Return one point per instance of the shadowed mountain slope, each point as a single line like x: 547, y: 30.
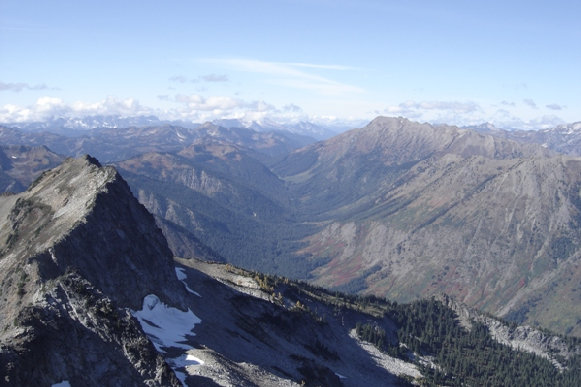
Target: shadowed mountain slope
x: 221, y: 195
x: 20, y: 165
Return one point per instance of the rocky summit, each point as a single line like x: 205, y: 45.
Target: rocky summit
x: 75, y: 247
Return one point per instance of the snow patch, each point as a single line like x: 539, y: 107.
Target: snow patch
x: 64, y: 383
x: 183, y: 361
x: 340, y: 376
x: 393, y: 365
x: 169, y: 327
x: 165, y: 326
x: 181, y: 274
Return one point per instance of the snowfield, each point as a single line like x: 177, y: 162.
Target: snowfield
x: 168, y: 327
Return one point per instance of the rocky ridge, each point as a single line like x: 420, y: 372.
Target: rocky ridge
x: 91, y: 296
x: 77, y: 250
x: 409, y: 210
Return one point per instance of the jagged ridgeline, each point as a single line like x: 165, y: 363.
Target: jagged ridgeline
x: 396, y: 208
x: 77, y: 250
x: 92, y: 296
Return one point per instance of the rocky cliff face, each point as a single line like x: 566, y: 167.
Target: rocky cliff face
x: 77, y: 250
x: 411, y: 210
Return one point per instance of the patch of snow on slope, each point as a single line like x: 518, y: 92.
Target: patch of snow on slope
x: 181, y: 274
x: 181, y: 362
x: 168, y: 327
x: 64, y: 383
x: 393, y: 365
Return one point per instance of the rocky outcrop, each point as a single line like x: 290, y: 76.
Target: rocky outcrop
x: 520, y: 337
x: 77, y: 252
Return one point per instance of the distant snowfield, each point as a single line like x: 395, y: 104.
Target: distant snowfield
x: 168, y: 327
x: 64, y: 383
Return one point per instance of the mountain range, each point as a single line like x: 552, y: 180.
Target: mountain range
x: 72, y: 125
x: 396, y: 208
x: 409, y: 210
x: 92, y: 296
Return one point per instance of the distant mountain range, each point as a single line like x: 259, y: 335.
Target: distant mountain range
x: 395, y: 208
x: 114, y: 144
x: 72, y: 126
x: 564, y: 139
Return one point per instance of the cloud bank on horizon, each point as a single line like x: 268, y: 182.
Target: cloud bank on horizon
x: 514, y: 64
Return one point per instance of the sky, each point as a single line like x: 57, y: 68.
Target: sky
x: 514, y: 64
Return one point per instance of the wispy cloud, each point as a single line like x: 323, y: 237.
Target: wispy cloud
x: 505, y: 119
x: 419, y: 106
x: 201, y: 78
x: 215, y: 78
x: 450, y: 112
x: 466, y: 113
x: 293, y: 75
x: 530, y: 103
x: 320, y: 66
x: 554, y: 106
x: 20, y: 86
x: 178, y: 79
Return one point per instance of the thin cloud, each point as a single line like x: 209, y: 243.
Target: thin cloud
x: 201, y: 78
x: 178, y: 79
x: 452, y: 106
x: 450, y: 112
x: 292, y: 75
x: 555, y: 106
x: 529, y: 102
x: 321, y: 66
x: 292, y: 108
x: 20, y: 86
x: 215, y: 78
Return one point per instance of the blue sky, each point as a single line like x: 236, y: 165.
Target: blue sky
x: 511, y: 63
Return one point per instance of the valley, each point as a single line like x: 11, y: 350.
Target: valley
x: 397, y: 209
x: 92, y: 293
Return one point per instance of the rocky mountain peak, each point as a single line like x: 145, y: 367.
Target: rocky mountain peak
x: 76, y: 252
x: 64, y: 222
x: 396, y: 140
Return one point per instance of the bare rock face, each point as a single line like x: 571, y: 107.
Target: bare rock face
x: 78, y: 250
x: 410, y: 210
